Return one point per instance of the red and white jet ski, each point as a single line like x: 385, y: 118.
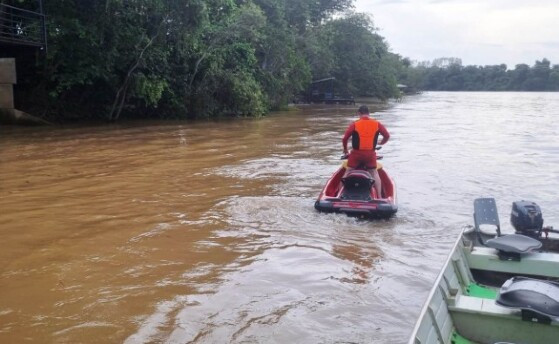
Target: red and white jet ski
x: 356, y: 194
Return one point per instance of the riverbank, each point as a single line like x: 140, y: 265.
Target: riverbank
x: 16, y: 117
x: 19, y: 118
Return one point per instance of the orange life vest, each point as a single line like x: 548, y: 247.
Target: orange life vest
x: 365, y: 135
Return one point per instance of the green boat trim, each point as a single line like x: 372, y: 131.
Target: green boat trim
x: 458, y: 339
x: 478, y: 290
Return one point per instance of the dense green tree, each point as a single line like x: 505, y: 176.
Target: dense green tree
x: 538, y: 76
x: 350, y: 49
x: 554, y: 79
x: 282, y: 70
x: 518, y: 77
x: 201, y: 58
x: 302, y: 14
x: 448, y: 74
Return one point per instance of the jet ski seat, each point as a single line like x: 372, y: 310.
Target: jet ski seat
x: 357, y: 174
x: 510, y: 246
x: 538, y: 299
x: 357, y: 186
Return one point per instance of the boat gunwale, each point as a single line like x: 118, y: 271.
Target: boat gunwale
x: 425, y: 308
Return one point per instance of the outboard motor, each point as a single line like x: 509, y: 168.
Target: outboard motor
x: 526, y: 218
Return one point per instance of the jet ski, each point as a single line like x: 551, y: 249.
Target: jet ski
x: 356, y: 194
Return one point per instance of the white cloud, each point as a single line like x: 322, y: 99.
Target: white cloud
x: 479, y: 32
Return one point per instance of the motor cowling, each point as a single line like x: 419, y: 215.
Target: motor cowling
x: 526, y: 218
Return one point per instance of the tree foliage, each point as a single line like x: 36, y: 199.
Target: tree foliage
x: 201, y: 58
x: 350, y: 49
x: 450, y: 75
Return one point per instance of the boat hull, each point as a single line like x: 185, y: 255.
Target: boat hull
x: 462, y: 308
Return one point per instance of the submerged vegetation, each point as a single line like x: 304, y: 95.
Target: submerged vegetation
x: 448, y: 74
x: 200, y: 58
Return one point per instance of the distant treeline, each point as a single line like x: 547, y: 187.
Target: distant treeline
x: 199, y: 58
x: 448, y: 74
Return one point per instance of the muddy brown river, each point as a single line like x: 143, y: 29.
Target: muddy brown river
x: 205, y: 232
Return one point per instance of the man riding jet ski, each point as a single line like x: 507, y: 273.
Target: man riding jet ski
x: 364, y: 136
x: 361, y: 186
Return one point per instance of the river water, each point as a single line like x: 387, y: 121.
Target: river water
x: 206, y: 233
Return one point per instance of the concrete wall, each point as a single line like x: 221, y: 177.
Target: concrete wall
x: 9, y: 115
x: 6, y: 96
x: 8, y: 71
x: 7, y: 81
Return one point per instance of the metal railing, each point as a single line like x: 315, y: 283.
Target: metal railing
x: 20, y: 26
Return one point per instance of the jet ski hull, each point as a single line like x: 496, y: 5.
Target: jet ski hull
x: 364, y: 202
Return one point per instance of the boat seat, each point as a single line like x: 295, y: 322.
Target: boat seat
x: 357, y: 186
x: 485, y: 213
x: 528, y: 294
x: 509, y: 246
x: 514, y: 243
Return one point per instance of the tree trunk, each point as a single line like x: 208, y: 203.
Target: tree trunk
x: 196, y: 66
x: 120, y: 96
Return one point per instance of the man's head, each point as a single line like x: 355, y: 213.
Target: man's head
x: 363, y: 110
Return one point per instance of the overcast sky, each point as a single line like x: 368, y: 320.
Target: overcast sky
x: 480, y: 32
